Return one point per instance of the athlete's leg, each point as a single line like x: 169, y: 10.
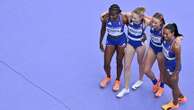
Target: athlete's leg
x: 119, y: 60
x: 128, y: 57
x: 108, y: 53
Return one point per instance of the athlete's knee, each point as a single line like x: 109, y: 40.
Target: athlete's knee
x: 140, y: 61
x: 173, y: 79
x: 127, y: 66
x: 119, y: 58
x: 172, y: 83
x: 146, y: 69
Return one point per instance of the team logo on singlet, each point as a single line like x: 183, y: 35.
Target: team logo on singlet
x: 136, y: 32
x: 156, y: 39
x: 109, y: 23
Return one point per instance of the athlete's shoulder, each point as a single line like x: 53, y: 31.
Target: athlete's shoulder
x: 178, y: 40
x: 104, y: 16
x: 177, y: 43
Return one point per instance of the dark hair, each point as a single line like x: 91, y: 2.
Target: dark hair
x: 115, y: 7
x: 160, y: 17
x: 173, y: 28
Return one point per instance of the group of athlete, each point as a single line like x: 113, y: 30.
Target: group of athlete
x: 164, y: 46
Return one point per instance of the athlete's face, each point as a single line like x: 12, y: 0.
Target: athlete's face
x: 168, y: 35
x: 114, y: 14
x: 136, y: 18
x: 156, y: 23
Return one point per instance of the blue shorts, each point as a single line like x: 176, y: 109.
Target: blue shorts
x: 170, y: 66
x: 120, y: 40
x: 155, y: 48
x: 135, y: 44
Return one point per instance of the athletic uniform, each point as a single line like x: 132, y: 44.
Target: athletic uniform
x: 135, y: 34
x: 170, y: 58
x: 156, y: 40
x: 170, y: 64
x: 116, y: 34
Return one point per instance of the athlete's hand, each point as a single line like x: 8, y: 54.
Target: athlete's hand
x: 144, y: 37
x: 101, y: 47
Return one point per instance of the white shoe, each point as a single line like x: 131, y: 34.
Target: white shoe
x: 137, y: 84
x: 122, y: 93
